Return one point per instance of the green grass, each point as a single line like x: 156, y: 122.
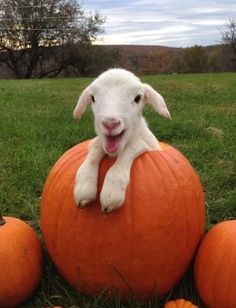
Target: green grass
x: 36, y: 127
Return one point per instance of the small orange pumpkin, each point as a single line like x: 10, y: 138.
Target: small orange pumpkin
x: 20, y: 261
x: 54, y: 307
x: 144, y: 247
x: 180, y: 303
x: 215, y: 266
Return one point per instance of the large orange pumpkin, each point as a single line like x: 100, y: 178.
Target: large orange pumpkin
x: 141, y: 249
x: 20, y: 261
x: 215, y: 266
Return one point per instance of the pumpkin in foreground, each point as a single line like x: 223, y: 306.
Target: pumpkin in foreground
x: 215, y: 266
x: 20, y: 261
x: 141, y: 249
x: 179, y: 303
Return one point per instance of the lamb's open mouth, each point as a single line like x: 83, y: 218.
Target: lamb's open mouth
x: 113, y: 142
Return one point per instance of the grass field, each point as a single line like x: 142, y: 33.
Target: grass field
x: 36, y: 127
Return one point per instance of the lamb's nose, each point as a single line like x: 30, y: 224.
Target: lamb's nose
x: 110, y: 123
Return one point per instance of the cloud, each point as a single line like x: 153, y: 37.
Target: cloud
x: 211, y: 22
x: 163, y: 22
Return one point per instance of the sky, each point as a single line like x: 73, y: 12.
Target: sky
x: 181, y: 23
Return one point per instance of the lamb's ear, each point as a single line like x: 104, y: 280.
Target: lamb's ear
x: 156, y: 100
x: 83, y: 102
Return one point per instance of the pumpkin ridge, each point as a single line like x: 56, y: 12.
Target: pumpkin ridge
x: 180, y: 181
x: 60, y: 217
x: 140, y: 164
x: 128, y: 200
x: 180, y: 192
x: 193, y: 180
x: 217, y: 285
x: 159, y: 167
x: 155, y: 157
x: 213, y: 291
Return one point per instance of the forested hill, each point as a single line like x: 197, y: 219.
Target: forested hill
x: 142, y: 60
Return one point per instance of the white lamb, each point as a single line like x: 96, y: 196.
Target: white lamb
x: 117, y: 98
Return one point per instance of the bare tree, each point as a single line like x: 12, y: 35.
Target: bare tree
x: 35, y: 31
x: 229, y: 34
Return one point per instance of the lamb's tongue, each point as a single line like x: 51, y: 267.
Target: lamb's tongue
x: 112, y: 143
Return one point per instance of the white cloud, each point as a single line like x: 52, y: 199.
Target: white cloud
x: 163, y: 22
x: 210, y: 22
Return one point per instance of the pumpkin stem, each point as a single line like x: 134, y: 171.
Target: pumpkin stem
x: 2, y: 221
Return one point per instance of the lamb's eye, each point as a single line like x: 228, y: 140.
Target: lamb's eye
x: 137, y: 99
x: 93, y: 99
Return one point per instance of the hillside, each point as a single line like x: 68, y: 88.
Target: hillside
x: 161, y: 59
x: 145, y: 60
x: 140, y: 50
x: 132, y: 56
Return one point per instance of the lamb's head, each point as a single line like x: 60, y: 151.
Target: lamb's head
x: 117, y: 98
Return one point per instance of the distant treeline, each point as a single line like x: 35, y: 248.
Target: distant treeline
x: 146, y: 60
x: 142, y: 60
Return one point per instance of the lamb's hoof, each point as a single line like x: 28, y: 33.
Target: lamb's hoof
x: 84, y: 194
x: 83, y: 203
x: 111, y: 199
x: 107, y: 210
x: 108, y: 207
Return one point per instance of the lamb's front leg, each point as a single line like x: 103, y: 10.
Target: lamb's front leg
x: 117, y: 178
x: 85, y: 189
